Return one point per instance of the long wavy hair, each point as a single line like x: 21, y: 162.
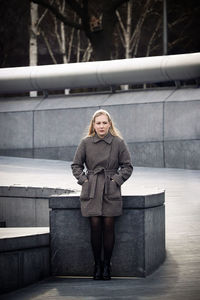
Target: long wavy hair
x: 113, y: 130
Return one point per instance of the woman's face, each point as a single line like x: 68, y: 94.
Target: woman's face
x: 101, y: 125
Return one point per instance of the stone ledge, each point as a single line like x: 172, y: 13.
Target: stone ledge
x: 30, y: 192
x: 23, y: 259
x: 13, y: 239
x: 26, y: 206
x: 139, y: 200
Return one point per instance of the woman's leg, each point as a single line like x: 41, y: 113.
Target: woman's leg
x: 108, y: 237
x: 96, y: 242
x: 108, y: 243
x: 96, y: 237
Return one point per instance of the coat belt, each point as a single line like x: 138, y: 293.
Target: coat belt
x: 95, y: 173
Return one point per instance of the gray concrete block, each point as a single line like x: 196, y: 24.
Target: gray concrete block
x: 73, y: 101
x: 182, y: 120
x: 140, y: 242
x: 182, y: 154
x: 17, y: 152
x: 140, y: 236
x: 63, y: 201
x: 30, y: 192
x: 9, y: 244
x: 2, y: 209
x: 139, y: 122
x: 24, y: 259
x: 9, y: 266
x: 147, y: 154
x: 70, y: 248
x: 67, y: 127
x: 138, y: 97
x: 144, y: 200
x: 146, y: 119
x: 155, y: 226
x: 26, y: 206
x: 59, y: 153
x: 16, y: 130
x: 35, y: 265
x: 41, y: 212
x: 20, y: 268
x: 19, y: 104
x: 187, y: 94
x: 20, y: 212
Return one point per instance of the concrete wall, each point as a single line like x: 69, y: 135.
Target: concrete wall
x: 26, y: 206
x: 23, y: 260
x: 140, y: 236
x: 161, y: 127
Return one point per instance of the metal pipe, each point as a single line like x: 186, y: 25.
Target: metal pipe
x: 100, y: 73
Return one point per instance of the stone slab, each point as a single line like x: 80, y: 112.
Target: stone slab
x: 147, y: 119
x: 140, y: 236
x: 142, y: 200
x: 17, y: 152
x: 24, y: 257
x: 141, y: 122
x: 26, y: 206
x: 147, y: 154
x: 72, y: 101
x: 30, y: 191
x: 59, y: 153
x: 31, y: 240
x: 19, y: 104
x: 186, y: 94
x: 182, y: 120
x: 21, y: 268
x: 182, y: 154
x: 16, y: 130
x: 139, y: 96
x: 67, y: 126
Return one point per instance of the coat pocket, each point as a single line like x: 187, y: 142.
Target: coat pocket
x: 85, y: 191
x: 114, y: 191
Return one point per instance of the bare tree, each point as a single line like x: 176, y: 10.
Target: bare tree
x: 33, y: 48
x: 98, y: 22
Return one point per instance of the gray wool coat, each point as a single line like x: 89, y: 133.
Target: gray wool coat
x: 101, y: 166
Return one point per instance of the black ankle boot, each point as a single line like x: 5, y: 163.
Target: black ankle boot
x: 106, y: 271
x: 97, y: 275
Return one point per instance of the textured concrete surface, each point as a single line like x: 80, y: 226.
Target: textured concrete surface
x: 12, y: 239
x: 177, y: 279
x: 153, y: 122
x: 26, y: 206
x: 24, y: 257
x: 140, y: 236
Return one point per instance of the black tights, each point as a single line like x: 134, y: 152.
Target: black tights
x: 102, y: 231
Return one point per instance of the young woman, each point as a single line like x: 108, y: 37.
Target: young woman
x: 108, y: 165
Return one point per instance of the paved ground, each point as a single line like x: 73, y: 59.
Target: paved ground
x: 177, y: 279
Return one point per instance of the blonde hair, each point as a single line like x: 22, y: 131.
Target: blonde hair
x: 113, y: 130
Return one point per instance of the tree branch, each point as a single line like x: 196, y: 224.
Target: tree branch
x: 117, y: 3
x: 76, y: 7
x: 153, y: 36
x: 44, y: 14
x: 57, y: 13
x: 121, y: 22
x: 48, y: 47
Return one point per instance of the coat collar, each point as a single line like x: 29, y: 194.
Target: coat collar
x: 108, y: 138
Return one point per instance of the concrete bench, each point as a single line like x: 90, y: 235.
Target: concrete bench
x: 24, y: 257
x: 140, y: 236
